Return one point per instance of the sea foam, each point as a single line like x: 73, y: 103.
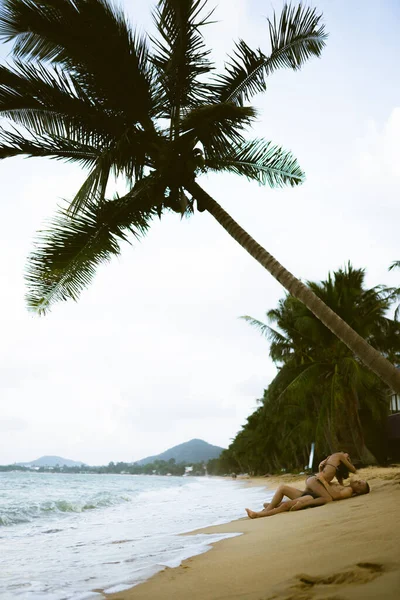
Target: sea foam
x: 105, y: 531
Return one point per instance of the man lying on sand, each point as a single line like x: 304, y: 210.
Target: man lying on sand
x: 317, y: 493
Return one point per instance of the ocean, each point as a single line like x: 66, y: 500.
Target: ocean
x: 67, y: 537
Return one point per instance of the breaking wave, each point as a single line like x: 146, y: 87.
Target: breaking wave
x: 25, y: 513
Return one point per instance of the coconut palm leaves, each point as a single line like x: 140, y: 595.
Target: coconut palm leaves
x: 295, y: 37
x: 84, y: 87
x: 217, y: 127
x: 320, y: 380
x: 87, y: 38
x: 69, y: 253
x: 260, y: 161
x: 181, y: 56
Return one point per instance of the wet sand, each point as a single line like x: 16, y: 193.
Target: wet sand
x: 342, y: 551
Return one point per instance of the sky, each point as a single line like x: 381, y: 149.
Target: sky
x: 154, y: 353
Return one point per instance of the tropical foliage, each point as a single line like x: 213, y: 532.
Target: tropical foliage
x: 158, y: 467
x: 118, y: 107
x: 322, y: 392
x: 85, y: 87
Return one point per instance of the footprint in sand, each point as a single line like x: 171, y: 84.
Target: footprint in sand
x: 360, y: 573
x: 306, y: 587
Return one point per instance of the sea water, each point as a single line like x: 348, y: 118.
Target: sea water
x: 70, y: 537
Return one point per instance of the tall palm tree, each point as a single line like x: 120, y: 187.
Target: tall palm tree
x: 87, y: 88
x: 320, y: 382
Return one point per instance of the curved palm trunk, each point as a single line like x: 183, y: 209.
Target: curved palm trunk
x: 366, y: 353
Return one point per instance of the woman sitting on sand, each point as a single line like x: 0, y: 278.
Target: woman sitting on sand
x: 319, y: 489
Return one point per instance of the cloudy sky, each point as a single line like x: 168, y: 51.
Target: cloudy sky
x: 154, y: 354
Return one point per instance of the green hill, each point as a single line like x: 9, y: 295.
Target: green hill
x: 193, y: 451
x: 51, y: 461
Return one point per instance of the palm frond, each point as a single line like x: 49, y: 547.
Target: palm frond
x: 181, y: 57
x: 302, y: 384
x: 217, y: 126
x: 44, y: 99
x: 353, y: 372
x: 261, y: 327
x: 295, y: 37
x: 129, y: 155
x: 93, y: 189
x: 281, y: 346
x: 261, y: 161
x: 298, y: 36
x: 65, y: 258
x: 12, y: 143
x: 309, y: 328
x: 88, y: 38
x: 395, y: 265
x: 244, y: 77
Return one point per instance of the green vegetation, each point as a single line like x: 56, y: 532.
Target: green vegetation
x: 191, y: 452
x: 322, y: 392
x: 158, y: 467
x: 156, y: 116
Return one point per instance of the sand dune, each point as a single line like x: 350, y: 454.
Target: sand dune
x: 342, y: 551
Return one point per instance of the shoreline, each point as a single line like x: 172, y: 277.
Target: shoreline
x: 344, y: 550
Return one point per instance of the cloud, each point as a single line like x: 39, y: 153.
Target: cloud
x: 379, y: 152
x: 154, y: 353
x: 11, y: 424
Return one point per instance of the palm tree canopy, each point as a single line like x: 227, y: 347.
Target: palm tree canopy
x: 299, y: 335
x: 151, y: 110
x: 321, y: 388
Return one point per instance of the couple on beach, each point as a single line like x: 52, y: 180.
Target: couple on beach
x: 319, y: 490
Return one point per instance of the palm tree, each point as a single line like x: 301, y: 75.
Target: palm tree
x: 320, y: 383
x: 86, y: 88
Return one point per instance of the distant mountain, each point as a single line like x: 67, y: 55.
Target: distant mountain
x: 193, y: 451
x: 52, y: 461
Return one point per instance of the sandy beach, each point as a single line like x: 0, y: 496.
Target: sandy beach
x: 344, y: 550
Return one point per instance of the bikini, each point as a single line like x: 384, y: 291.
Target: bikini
x: 341, y: 471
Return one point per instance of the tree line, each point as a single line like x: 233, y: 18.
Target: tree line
x: 158, y: 467
x: 322, y: 392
